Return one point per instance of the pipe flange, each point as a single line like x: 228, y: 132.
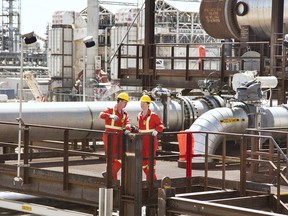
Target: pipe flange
x: 188, y: 111
x: 208, y: 102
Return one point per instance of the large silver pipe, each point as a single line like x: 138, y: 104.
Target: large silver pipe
x: 63, y: 114
x: 233, y: 120
x: 85, y: 115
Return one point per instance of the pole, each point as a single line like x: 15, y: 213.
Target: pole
x: 84, y: 73
x: 18, y: 178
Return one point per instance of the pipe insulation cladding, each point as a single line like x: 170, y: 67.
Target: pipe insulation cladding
x: 85, y: 115
x: 223, y: 18
x: 230, y: 120
x: 234, y: 120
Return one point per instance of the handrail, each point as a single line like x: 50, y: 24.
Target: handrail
x: 243, y: 160
x: 26, y: 127
x: 269, y: 130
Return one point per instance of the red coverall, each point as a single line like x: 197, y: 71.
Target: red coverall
x: 115, y: 126
x: 147, y: 124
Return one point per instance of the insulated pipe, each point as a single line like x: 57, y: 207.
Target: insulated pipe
x: 218, y: 18
x: 274, y: 117
x: 233, y: 120
x: 85, y: 115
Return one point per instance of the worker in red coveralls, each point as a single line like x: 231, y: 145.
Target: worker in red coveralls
x: 148, y: 122
x: 116, y: 120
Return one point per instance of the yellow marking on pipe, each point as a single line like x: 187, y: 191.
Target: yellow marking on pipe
x: 230, y: 120
x: 27, y: 208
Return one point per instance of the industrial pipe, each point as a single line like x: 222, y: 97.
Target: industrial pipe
x: 233, y: 120
x: 223, y: 19
x: 85, y: 115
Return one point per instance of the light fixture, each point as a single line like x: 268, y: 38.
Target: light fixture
x: 89, y: 42
x: 29, y: 38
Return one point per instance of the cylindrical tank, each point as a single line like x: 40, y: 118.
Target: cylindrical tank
x: 223, y: 19
x: 218, y: 18
x: 259, y: 17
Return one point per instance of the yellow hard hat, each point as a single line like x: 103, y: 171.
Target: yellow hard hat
x: 123, y: 96
x: 145, y: 98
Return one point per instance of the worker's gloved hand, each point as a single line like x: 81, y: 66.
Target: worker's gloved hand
x: 126, y: 132
x: 134, y: 129
x: 115, y: 117
x: 154, y: 133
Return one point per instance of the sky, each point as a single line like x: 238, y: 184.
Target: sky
x: 37, y: 14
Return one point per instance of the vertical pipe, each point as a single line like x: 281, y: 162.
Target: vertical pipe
x: 92, y: 30
x: 108, y: 207
x: 18, y: 178
x: 26, y: 152
x: 101, y: 201
x: 148, y: 41
x: 84, y: 73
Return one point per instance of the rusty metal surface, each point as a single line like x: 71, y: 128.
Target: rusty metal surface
x: 46, y: 179
x: 78, y: 178
x: 192, y: 207
x: 216, y: 15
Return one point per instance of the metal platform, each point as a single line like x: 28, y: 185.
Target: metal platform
x: 74, y: 175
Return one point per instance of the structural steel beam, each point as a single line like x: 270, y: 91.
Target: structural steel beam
x: 192, y: 207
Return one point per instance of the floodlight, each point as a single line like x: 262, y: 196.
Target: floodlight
x: 89, y: 42
x: 29, y: 38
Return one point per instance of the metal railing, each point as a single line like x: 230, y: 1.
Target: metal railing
x: 242, y: 159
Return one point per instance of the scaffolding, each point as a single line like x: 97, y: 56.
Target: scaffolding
x: 172, y: 23
x: 10, y: 29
